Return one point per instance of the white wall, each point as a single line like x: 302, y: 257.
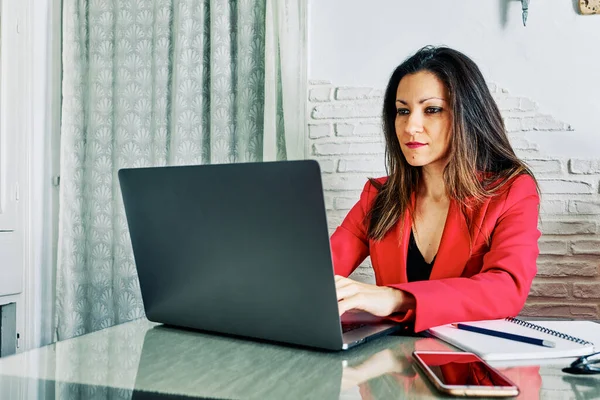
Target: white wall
x: 553, y: 61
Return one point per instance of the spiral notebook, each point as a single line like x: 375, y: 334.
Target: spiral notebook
x: 572, y: 339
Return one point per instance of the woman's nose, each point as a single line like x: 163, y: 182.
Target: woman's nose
x: 414, y: 123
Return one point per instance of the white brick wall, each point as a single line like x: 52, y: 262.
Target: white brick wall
x: 345, y: 136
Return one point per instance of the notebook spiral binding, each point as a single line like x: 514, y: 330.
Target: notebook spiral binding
x: 548, y: 331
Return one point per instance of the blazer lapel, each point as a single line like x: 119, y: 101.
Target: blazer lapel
x: 454, y: 250
x: 390, y: 254
x: 406, y: 226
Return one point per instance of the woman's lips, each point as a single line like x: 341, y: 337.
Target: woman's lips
x: 415, y: 145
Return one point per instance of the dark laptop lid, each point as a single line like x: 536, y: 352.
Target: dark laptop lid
x: 241, y: 249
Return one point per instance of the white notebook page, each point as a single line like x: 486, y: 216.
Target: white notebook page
x: 494, y: 348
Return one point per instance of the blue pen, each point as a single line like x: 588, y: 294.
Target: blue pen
x: 504, y: 335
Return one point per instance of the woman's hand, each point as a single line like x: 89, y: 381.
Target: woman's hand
x: 377, y: 300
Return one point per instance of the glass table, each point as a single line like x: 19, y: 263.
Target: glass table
x: 143, y: 360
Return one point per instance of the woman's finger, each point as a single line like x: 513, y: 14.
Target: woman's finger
x: 351, y: 303
x: 346, y: 291
x: 343, y: 282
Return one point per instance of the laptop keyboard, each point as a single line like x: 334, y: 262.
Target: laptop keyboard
x: 350, y: 326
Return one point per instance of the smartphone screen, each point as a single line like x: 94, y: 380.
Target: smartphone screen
x: 464, y: 374
x: 462, y: 369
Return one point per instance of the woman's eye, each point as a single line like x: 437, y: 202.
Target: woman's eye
x: 402, y: 111
x: 433, y: 110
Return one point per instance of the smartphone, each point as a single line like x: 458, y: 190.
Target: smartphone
x: 464, y: 374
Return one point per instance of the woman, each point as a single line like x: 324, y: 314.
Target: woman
x: 452, y: 231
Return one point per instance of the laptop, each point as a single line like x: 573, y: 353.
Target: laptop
x: 240, y: 249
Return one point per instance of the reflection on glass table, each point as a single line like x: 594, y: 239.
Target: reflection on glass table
x: 200, y: 364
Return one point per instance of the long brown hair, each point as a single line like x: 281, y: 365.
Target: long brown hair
x: 481, y: 158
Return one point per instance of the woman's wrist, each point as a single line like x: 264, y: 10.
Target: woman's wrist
x: 403, y: 301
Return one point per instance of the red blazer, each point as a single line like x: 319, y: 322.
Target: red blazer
x: 467, y: 282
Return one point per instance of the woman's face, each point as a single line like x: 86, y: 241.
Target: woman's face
x: 423, y: 119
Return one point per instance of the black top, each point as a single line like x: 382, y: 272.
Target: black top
x: 416, y: 267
